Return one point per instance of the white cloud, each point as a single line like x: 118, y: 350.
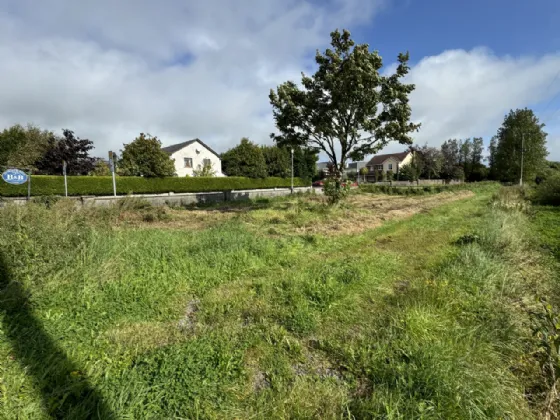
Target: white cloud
x: 176, y: 69
x: 183, y: 69
x: 462, y: 94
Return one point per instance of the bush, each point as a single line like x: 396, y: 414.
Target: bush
x: 548, y: 191
x: 102, y: 185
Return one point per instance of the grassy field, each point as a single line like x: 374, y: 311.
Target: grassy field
x: 383, y: 307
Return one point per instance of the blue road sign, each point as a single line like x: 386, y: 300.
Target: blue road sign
x: 15, y: 176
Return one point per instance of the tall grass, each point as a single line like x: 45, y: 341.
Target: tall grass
x: 421, y: 318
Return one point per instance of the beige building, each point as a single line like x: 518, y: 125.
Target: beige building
x: 191, y: 155
x: 389, y: 162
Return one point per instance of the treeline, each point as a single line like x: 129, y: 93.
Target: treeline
x: 42, y: 152
x: 517, y: 150
x: 456, y: 159
x: 253, y: 161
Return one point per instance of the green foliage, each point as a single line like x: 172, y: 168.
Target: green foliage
x: 22, y: 147
x: 408, y: 173
x: 518, y: 125
x: 548, y: 191
x: 99, y: 185
x: 347, y: 108
x: 245, y: 160
x: 305, y: 162
x: 428, y: 162
x: 335, y: 190
x: 69, y: 148
x: 278, y: 163
x: 390, y: 176
x: 101, y: 168
x: 419, y: 190
x: 205, y: 170
x: 144, y: 157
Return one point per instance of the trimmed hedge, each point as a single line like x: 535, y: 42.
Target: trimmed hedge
x: 103, y: 185
x: 421, y: 189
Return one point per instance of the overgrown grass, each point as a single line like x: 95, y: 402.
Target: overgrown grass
x: 426, y: 317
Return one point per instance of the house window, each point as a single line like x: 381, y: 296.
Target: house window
x: 206, y: 162
x: 378, y: 167
x: 188, y: 162
x: 390, y: 166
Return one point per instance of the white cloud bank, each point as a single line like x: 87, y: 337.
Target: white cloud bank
x: 184, y: 69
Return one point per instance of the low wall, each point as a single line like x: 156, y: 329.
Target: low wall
x: 179, y: 199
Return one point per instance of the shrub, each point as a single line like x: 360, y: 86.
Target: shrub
x: 548, y: 191
x: 101, y: 185
x: 335, y: 190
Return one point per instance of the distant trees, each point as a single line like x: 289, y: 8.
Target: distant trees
x: 144, y: 157
x: 101, y: 168
x: 69, y: 148
x: 430, y: 161
x: 246, y: 159
x: 519, y: 127
x: 22, y: 146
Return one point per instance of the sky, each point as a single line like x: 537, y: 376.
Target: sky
x: 110, y: 69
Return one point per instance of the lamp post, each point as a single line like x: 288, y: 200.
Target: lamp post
x: 292, y: 189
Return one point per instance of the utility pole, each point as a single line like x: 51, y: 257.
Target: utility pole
x: 522, y: 151
x: 292, y: 189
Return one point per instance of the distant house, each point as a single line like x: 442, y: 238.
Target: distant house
x: 389, y: 162
x: 353, y: 168
x: 191, y: 155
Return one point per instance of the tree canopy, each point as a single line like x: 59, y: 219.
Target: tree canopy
x: 22, y: 146
x: 347, y: 109
x: 278, y: 161
x: 144, y: 157
x: 69, y: 148
x: 519, y: 126
x: 245, y: 159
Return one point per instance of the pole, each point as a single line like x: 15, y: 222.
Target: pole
x: 29, y: 185
x: 292, y: 189
x: 65, y: 180
x: 112, y: 165
x: 522, y: 151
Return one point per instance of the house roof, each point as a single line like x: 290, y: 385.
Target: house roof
x: 379, y: 159
x: 176, y: 147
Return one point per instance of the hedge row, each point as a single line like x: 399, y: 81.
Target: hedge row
x: 414, y: 190
x: 103, y: 185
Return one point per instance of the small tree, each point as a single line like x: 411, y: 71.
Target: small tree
x: 205, y: 170
x: 407, y: 173
x: 364, y: 171
x: 459, y: 173
x: 144, y: 157
x: 347, y: 109
x: 390, y: 175
x: 23, y: 147
x: 431, y: 160
x: 101, y: 168
x: 246, y: 159
x: 69, y: 148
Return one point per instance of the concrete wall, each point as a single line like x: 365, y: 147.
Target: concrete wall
x: 180, y: 199
x: 197, y: 152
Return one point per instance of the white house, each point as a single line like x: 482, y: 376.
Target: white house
x: 390, y: 162
x: 191, y: 155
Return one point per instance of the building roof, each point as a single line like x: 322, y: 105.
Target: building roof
x: 379, y: 159
x: 176, y: 147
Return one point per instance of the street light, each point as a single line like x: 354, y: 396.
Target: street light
x: 292, y: 189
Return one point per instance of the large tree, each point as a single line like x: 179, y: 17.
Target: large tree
x: 71, y: 149
x: 431, y: 159
x: 144, y: 157
x: 245, y: 159
x: 347, y: 109
x: 22, y: 146
x: 520, y: 127
x: 277, y: 161
x: 492, y: 151
x: 450, y: 150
